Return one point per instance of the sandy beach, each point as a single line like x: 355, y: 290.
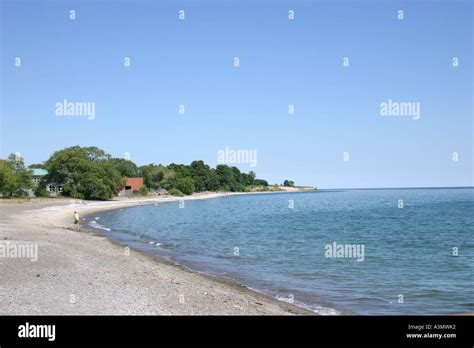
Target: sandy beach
x: 80, y: 272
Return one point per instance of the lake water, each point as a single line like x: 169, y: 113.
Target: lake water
x: 396, y: 257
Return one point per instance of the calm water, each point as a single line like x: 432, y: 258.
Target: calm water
x: 282, y: 251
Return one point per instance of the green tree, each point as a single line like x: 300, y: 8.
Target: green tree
x: 222, y: 178
x: 85, y: 173
x: 252, y: 177
x: 126, y: 167
x: 23, y: 175
x: 200, y: 172
x: 15, y: 178
x: 248, y: 179
x: 260, y: 182
x: 185, y: 185
x: 143, y: 190
x: 40, y: 191
x: 288, y: 183
x: 7, y: 179
x: 212, y: 181
x: 230, y: 178
x: 225, y: 175
x: 91, y: 173
x: 175, y: 192
x: 37, y: 165
x: 157, y: 176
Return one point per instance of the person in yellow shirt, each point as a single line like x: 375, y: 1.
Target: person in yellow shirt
x: 76, y: 217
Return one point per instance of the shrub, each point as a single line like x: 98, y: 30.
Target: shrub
x: 185, y: 185
x: 175, y: 192
x: 143, y: 190
x: 41, y: 192
x: 289, y: 183
x: 260, y: 182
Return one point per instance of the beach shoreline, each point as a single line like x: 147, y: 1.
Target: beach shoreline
x: 81, y: 272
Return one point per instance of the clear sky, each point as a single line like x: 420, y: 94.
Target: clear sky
x: 282, y: 62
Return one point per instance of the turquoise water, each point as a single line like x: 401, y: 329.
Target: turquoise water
x: 407, y: 252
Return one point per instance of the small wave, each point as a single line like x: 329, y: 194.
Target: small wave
x: 318, y: 309
x: 95, y: 225
x: 314, y: 308
x: 155, y: 243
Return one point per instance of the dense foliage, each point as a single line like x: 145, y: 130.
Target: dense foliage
x: 91, y: 173
x: 85, y: 172
x: 15, y: 179
x: 126, y: 167
x: 288, y: 183
x: 197, y: 177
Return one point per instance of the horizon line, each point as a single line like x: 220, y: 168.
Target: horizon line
x: 394, y: 188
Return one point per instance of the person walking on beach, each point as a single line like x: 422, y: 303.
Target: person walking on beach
x: 76, y: 218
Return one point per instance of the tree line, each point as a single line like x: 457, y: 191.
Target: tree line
x: 91, y: 173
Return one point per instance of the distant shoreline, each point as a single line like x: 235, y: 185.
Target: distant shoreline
x: 400, y: 188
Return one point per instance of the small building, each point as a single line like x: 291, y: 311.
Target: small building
x: 131, y: 185
x: 38, y: 174
x: 134, y: 184
x: 52, y: 188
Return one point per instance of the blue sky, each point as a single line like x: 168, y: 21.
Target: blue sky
x: 282, y: 62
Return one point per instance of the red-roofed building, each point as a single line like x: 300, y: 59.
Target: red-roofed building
x: 132, y: 184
